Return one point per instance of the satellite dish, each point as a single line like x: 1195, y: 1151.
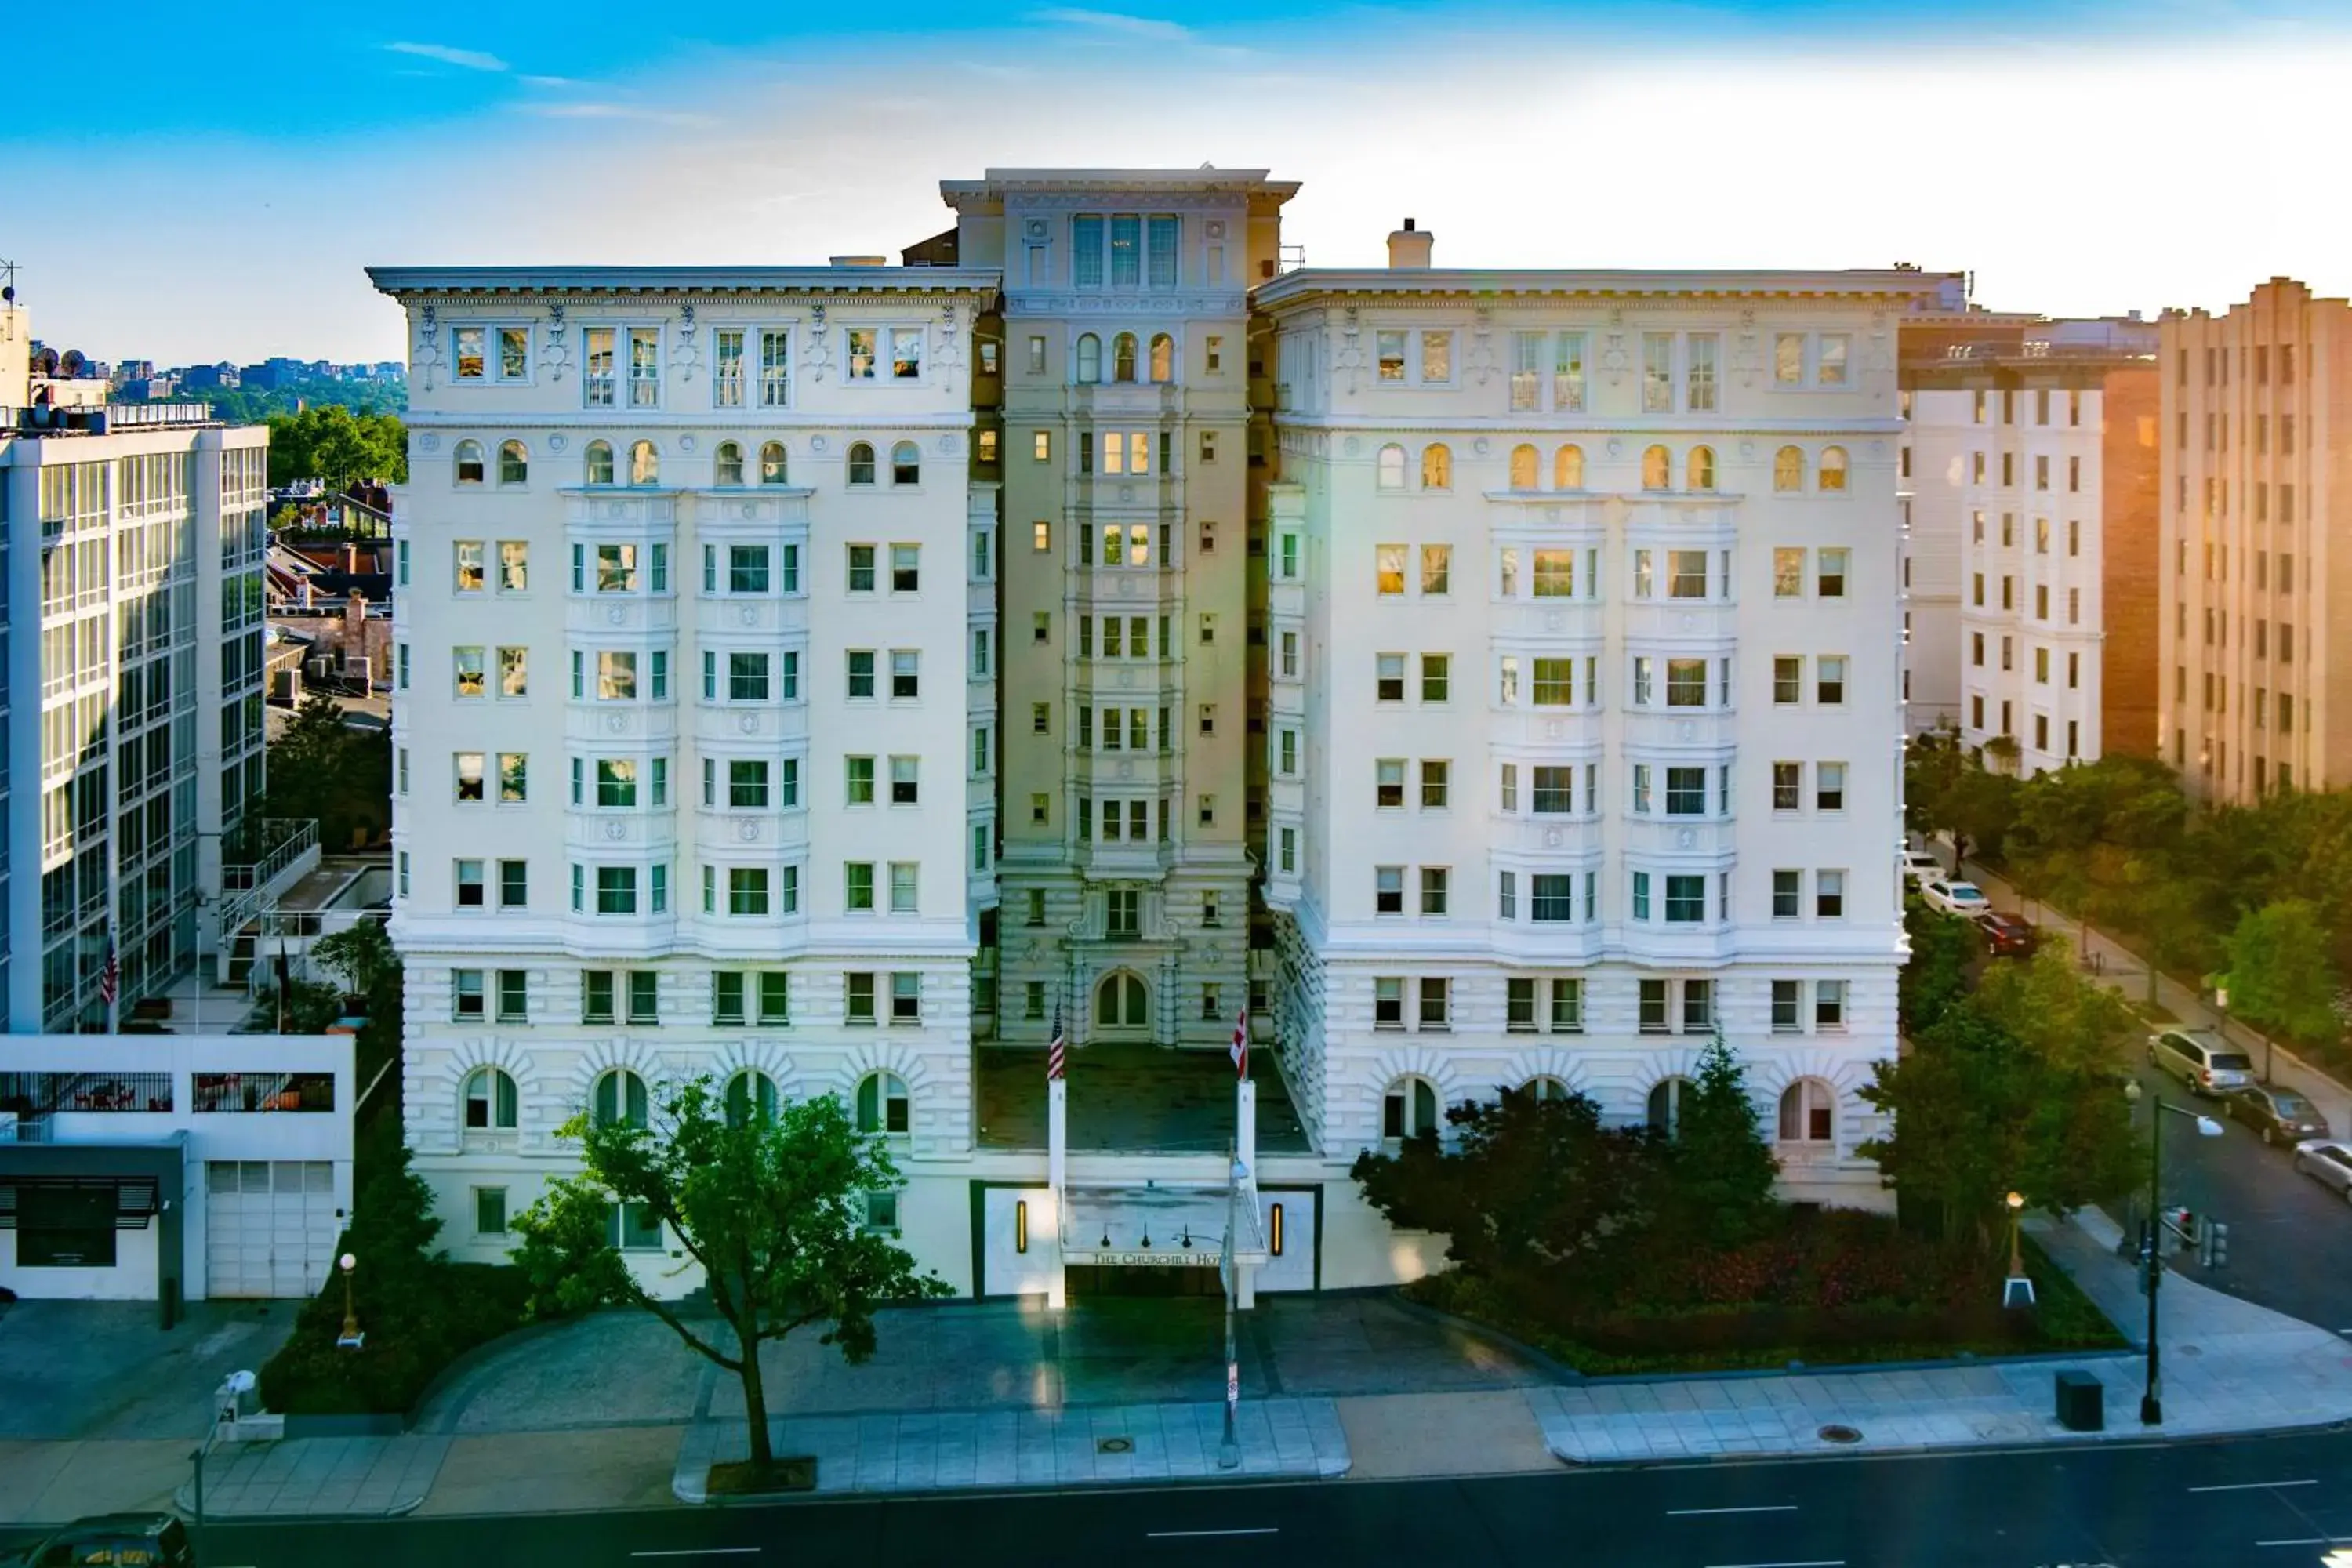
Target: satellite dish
x: 46, y: 360
x: 73, y: 363
x: 8, y: 295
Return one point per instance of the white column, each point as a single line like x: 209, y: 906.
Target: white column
x: 1057, y: 1159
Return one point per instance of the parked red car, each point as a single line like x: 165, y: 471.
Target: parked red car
x: 2006, y: 936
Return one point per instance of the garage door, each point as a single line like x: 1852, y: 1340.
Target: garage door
x: 269, y: 1227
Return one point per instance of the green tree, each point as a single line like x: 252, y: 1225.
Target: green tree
x: 2282, y: 974
x: 772, y: 1207
x: 1529, y: 1184
x: 363, y: 955
x: 2017, y: 1088
x: 1937, y: 976
x: 1947, y: 788
x: 337, y: 446
x: 322, y: 770
x: 1721, y: 1169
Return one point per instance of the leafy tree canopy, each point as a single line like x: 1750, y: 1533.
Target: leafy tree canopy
x: 773, y: 1207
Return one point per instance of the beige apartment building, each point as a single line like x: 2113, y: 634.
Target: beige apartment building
x: 1126, y: 453
x: 2256, y: 667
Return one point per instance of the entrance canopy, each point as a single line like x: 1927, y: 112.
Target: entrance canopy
x: 1155, y: 1226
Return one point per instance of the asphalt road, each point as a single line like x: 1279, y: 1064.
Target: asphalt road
x: 2262, y: 1503
x: 2290, y: 1238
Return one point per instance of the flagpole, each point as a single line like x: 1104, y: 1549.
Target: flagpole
x: 1057, y: 1144
x: 1229, y: 1450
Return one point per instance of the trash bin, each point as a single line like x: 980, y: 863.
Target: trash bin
x: 2082, y: 1401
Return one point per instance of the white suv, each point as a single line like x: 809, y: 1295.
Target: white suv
x: 2207, y: 1067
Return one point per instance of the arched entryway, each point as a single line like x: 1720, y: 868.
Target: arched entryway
x: 1122, y: 1006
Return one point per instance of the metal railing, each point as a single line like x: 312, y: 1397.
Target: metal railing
x: 41, y: 1094
x: 245, y: 886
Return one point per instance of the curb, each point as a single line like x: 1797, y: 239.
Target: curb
x: 686, y: 1492
x: 2048, y: 1440
x: 1559, y: 1371
x: 183, y: 1503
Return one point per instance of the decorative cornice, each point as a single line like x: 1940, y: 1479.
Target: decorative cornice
x: 487, y: 285
x: 1467, y: 287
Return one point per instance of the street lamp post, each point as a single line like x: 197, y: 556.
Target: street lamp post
x: 2151, y: 1403
x: 350, y: 1338
x: 2017, y: 1290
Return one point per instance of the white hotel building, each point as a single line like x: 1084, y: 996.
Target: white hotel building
x: 1584, y: 713
x: 1572, y: 713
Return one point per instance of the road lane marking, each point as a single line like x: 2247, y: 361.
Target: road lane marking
x: 2253, y: 1485
x: 2308, y: 1540
x: 703, y: 1552
x: 1766, y: 1507
x: 1192, y: 1534
x: 1812, y: 1562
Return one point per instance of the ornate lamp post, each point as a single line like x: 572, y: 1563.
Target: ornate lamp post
x: 2017, y: 1290
x: 351, y: 1338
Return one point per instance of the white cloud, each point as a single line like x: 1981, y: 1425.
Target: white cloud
x: 471, y: 60
x: 1117, y: 22
x: 557, y: 83
x: 578, y: 111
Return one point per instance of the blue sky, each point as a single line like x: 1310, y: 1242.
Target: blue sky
x: 211, y: 179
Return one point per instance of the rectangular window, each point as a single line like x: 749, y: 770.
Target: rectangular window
x: 1698, y: 372
x: 1787, y: 679
x: 1555, y: 681
x: 1787, y: 895
x: 1436, y: 998
x: 1685, y: 899
x: 1829, y: 786
x: 1830, y: 577
x: 1436, y: 357
x: 1568, y: 373
x: 1830, y: 366
x: 1658, y: 373
x: 1829, y: 684
x: 1434, y: 882
x: 1554, y: 897
x: 1787, y: 1014
x: 1829, y: 895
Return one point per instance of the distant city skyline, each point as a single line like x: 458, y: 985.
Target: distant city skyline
x: 179, y: 225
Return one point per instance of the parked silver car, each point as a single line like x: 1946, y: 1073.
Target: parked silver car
x: 2327, y: 1161
x: 2206, y: 1066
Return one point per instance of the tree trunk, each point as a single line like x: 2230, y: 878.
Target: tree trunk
x: 755, y: 1399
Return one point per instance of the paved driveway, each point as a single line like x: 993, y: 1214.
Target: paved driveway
x: 625, y: 1367
x: 103, y: 1369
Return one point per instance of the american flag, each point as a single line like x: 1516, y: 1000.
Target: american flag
x: 111, y: 977
x: 1058, y: 1051
x: 1239, y: 1053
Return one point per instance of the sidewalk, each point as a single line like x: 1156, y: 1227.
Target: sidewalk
x: 2229, y: 1367
x: 2123, y: 970
x: 964, y: 1451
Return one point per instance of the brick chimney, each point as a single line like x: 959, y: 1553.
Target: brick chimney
x: 1409, y: 247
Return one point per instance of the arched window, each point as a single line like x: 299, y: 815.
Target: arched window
x: 1567, y: 467
x: 1833, y: 469
x: 1410, y: 1108
x: 469, y: 462
x: 906, y: 464
x: 621, y: 1097
x: 645, y: 464
x: 1666, y: 1097
x: 727, y: 464
x: 599, y: 460
x: 1699, y: 469
x: 1122, y: 357
x: 1523, y: 467
x: 1163, y: 358
x: 1437, y: 466
x: 1808, y: 1112
x: 490, y: 1101
x: 1121, y: 1002
x: 771, y: 464
x: 1089, y: 358
x: 1788, y: 469
x: 1657, y: 469
x: 861, y: 463
x: 1544, y: 1087
x: 751, y: 1093
x: 1391, y: 468
x: 882, y: 1103
x: 514, y: 463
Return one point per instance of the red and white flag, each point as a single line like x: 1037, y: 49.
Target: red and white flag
x: 109, y: 978
x: 1056, y: 1052
x: 1240, y: 1052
